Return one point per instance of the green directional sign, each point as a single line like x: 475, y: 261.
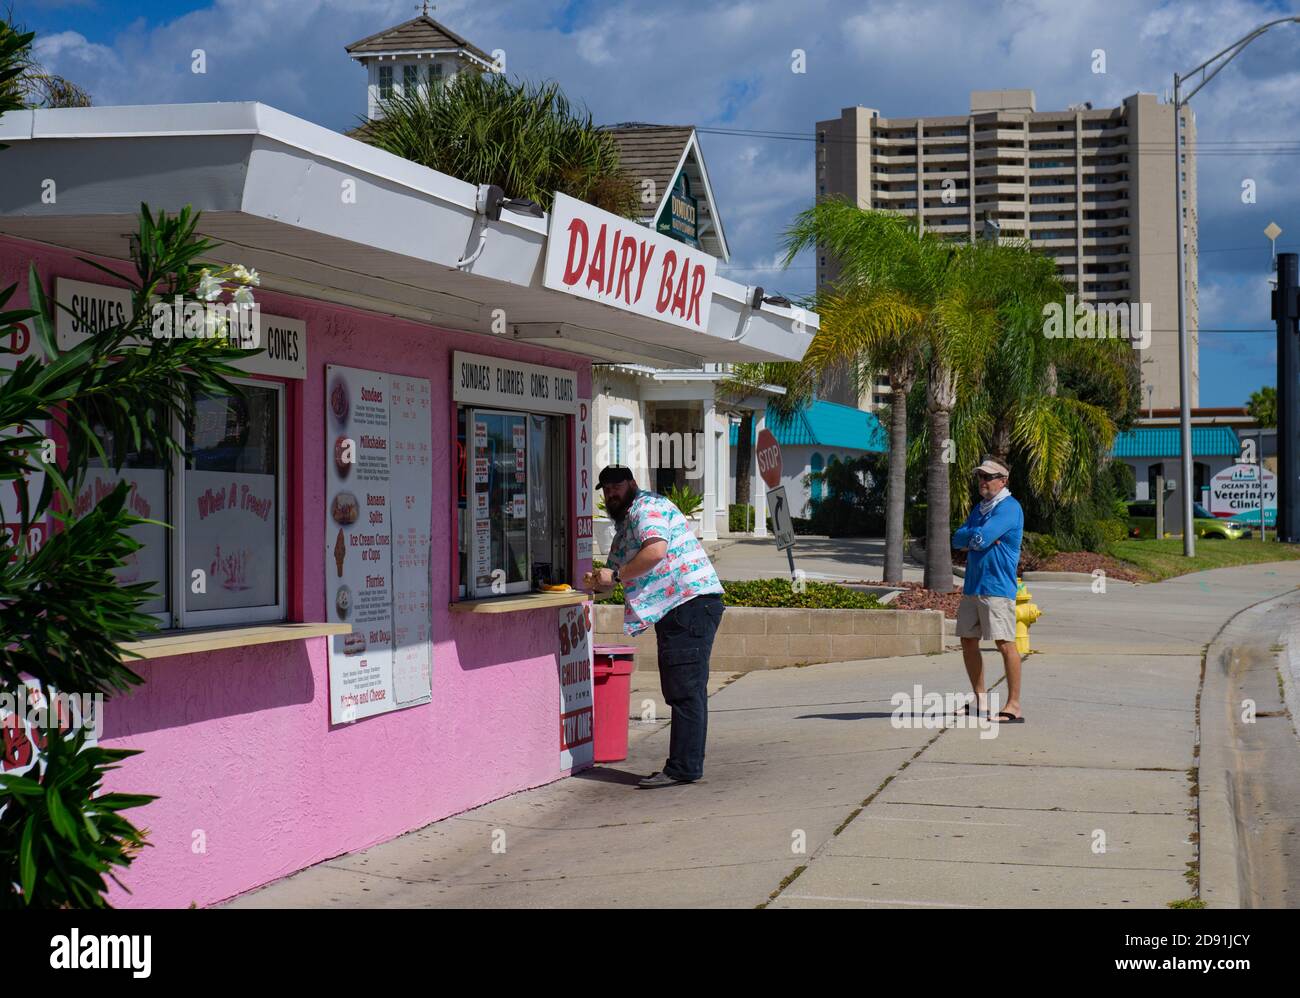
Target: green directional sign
x: 679, y: 216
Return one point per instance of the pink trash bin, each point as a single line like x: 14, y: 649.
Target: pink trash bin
x: 613, y: 694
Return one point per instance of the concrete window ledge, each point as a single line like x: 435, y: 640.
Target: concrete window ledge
x: 190, y: 642
x: 752, y: 638
x: 519, y: 602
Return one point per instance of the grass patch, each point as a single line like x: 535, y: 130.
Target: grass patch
x: 1187, y: 903
x: 1163, y: 559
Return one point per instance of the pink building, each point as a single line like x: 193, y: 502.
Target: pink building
x: 372, y: 520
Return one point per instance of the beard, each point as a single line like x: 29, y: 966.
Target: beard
x: 617, y: 508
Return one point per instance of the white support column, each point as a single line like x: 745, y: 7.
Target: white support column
x: 707, y: 460
x: 759, y: 488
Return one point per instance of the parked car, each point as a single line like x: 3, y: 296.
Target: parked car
x: 1250, y: 518
x: 1142, y: 522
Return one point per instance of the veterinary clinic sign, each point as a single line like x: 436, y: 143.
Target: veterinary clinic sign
x: 599, y: 256
x: 1236, y: 489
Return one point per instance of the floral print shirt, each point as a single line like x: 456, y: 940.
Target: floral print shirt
x: 684, y: 572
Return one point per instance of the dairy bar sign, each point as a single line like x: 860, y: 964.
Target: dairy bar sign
x: 597, y: 255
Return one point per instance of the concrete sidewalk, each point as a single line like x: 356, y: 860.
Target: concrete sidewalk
x: 814, y: 798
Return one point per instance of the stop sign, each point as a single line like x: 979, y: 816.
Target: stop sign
x: 769, y: 458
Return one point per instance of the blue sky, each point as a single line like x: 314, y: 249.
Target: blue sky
x: 727, y: 63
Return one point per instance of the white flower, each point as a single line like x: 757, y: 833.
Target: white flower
x: 243, y: 275
x: 214, y: 323
x: 243, y: 296
x: 209, y: 287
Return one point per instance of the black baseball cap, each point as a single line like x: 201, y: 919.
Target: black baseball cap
x: 613, y: 473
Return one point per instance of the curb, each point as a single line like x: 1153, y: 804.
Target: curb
x: 1058, y: 577
x: 1217, y: 831
x: 1219, y: 849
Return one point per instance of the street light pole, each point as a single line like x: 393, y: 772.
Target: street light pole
x: 1222, y: 57
x: 1184, y: 355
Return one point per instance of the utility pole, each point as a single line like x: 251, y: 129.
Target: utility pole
x: 1286, y: 308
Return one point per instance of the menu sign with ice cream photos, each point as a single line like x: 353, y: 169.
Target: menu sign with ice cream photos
x: 378, y: 528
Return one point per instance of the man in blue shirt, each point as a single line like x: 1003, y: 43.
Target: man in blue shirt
x: 991, y: 535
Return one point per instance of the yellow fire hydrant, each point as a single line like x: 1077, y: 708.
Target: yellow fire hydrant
x: 1026, y: 614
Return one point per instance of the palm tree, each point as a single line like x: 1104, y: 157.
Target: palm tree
x: 1016, y: 403
x: 743, y: 381
x: 528, y: 140
x: 912, y: 303
x: 24, y: 82
x: 1262, y: 406
x: 869, y: 320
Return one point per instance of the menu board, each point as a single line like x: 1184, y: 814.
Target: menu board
x: 577, y: 737
x: 410, y: 475
x: 378, y: 526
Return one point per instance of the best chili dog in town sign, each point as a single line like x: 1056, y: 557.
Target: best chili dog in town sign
x: 597, y: 255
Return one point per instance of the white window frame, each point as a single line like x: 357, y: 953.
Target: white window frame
x: 618, y: 447
x: 183, y: 619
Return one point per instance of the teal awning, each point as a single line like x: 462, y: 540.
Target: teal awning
x: 1166, y: 441
x: 826, y: 424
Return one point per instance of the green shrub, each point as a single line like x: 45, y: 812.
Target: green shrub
x: 781, y: 593
x: 740, y: 518
x: 686, y: 500
x: 1035, y: 551
x: 1042, y: 546
x: 853, y: 503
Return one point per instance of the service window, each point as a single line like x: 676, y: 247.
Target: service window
x: 513, y: 484
x: 217, y: 554
x: 147, y: 474
x: 232, y: 522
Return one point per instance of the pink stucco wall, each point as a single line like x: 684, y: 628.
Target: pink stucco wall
x: 238, y: 743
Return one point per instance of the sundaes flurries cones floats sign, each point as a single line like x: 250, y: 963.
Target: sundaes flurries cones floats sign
x: 597, y: 255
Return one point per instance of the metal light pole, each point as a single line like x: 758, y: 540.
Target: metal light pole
x: 1218, y: 61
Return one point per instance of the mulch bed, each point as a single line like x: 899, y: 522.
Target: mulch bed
x: 915, y: 596
x: 1090, y: 561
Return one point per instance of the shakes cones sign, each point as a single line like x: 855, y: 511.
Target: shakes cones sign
x: 597, y: 255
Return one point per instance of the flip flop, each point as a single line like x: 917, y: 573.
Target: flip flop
x: 965, y: 709
x: 1006, y: 717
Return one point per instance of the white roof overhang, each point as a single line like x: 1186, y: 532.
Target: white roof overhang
x: 326, y: 216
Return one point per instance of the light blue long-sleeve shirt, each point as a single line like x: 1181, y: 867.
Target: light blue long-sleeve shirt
x: 993, y: 541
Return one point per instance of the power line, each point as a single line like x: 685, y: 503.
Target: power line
x: 1208, y: 147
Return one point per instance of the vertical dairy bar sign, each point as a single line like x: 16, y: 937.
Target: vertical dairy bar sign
x: 582, y: 479
x: 377, y: 529
x: 577, y: 744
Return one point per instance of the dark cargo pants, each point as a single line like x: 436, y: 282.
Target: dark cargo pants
x: 685, y: 641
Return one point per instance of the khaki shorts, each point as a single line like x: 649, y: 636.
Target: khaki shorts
x: 990, y: 617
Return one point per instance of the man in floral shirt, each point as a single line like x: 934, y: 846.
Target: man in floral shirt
x: 668, y: 581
